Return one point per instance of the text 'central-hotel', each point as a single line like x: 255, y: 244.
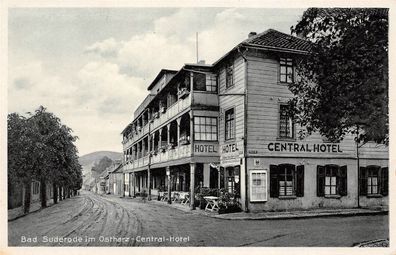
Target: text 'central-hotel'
x: 226, y: 125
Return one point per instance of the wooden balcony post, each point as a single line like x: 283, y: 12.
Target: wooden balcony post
x: 160, y: 138
x: 192, y: 186
x: 191, y: 132
x: 168, y: 134
x: 148, y: 168
x: 178, y: 132
x: 143, y: 147
x: 153, y: 142
x: 134, y: 184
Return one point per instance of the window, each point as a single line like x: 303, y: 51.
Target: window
x: 286, y: 124
x: 205, y: 128
x: 36, y: 187
x: 331, y: 180
x: 229, y: 124
x: 373, y: 181
x: 286, y: 180
x: 258, y: 185
x: 286, y: 70
x: 229, y: 75
x: 199, y: 81
x: 211, y: 83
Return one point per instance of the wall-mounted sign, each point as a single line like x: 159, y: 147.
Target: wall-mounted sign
x: 229, y: 148
x: 256, y: 162
x: 298, y: 147
x: 205, y: 148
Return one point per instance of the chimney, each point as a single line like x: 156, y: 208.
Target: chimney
x: 251, y: 34
x: 201, y: 62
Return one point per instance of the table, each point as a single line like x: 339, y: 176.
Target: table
x: 212, y: 203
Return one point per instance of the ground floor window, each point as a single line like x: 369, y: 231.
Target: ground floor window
x: 286, y: 180
x: 331, y: 180
x: 36, y: 187
x: 373, y: 181
x: 258, y: 185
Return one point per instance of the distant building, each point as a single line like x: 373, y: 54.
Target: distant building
x: 225, y: 125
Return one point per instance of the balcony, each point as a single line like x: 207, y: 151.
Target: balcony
x: 160, y: 118
x: 172, y: 111
x: 171, y: 154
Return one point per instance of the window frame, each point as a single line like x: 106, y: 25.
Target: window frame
x: 252, y: 196
x: 292, y: 174
x: 210, y: 80
x: 229, y: 67
x: 293, y: 124
x: 373, y: 171
x: 286, y: 64
x: 204, y: 126
x: 233, y: 128
x: 333, y: 173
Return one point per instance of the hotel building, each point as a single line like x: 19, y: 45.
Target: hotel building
x: 225, y: 125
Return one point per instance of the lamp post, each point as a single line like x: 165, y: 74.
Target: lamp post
x: 169, y: 184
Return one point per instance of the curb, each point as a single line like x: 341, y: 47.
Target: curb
x: 280, y: 217
x: 302, y: 215
x: 305, y: 216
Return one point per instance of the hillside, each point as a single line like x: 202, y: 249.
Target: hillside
x: 91, y: 158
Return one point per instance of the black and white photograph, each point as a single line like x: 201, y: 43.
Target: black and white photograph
x: 197, y: 126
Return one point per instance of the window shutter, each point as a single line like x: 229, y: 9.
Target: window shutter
x: 300, y: 181
x: 343, y: 186
x: 320, y: 181
x: 274, y: 183
x: 384, y: 181
x: 363, y: 181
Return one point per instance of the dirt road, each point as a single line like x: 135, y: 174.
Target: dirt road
x: 93, y: 220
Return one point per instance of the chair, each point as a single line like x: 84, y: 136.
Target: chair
x: 186, y: 200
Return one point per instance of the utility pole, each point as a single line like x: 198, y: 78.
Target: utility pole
x: 196, y: 45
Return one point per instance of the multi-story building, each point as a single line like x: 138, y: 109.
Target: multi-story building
x: 226, y: 125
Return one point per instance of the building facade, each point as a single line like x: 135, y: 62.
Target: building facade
x: 225, y: 125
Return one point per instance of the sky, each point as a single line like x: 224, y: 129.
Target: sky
x: 91, y: 66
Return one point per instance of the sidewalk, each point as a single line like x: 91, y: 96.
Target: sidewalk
x: 292, y: 214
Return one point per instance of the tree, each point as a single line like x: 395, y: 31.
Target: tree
x: 21, y: 147
x: 343, y: 81
x: 99, y: 167
x: 42, y: 148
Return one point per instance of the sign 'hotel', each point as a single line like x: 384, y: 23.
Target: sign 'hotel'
x: 226, y: 125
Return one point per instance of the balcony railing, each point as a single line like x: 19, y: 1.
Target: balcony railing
x: 172, y: 111
x: 176, y: 153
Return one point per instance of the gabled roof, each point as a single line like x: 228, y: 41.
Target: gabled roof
x: 278, y: 40
x: 275, y: 41
x: 159, y: 76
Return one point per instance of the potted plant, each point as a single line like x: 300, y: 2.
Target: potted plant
x: 228, y: 203
x: 183, y: 92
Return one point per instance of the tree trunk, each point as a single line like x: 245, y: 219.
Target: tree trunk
x: 68, y: 192
x: 43, y: 193
x: 55, y: 189
x: 28, y: 196
x: 60, y: 193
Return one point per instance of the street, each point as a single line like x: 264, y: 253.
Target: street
x: 94, y: 220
